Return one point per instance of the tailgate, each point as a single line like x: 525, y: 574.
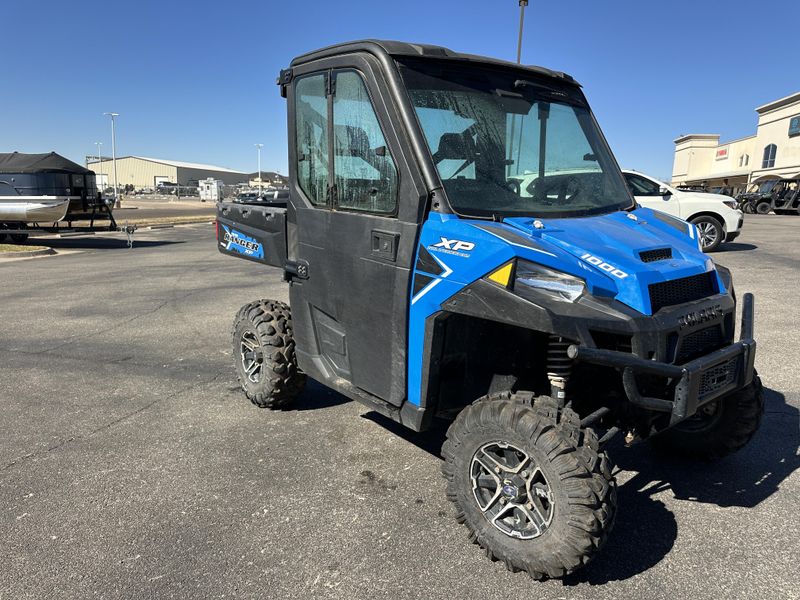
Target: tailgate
x: 253, y: 232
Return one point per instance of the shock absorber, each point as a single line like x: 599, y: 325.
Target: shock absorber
x: 559, y: 366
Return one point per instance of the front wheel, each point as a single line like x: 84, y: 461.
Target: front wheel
x: 532, y: 486
x: 719, y: 428
x: 264, y: 354
x: 710, y: 231
x: 763, y: 208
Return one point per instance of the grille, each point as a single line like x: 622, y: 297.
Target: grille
x: 718, y: 377
x: 698, y: 343
x: 678, y: 291
x: 654, y: 255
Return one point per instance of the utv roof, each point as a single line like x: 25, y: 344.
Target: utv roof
x: 49, y: 162
x: 393, y: 48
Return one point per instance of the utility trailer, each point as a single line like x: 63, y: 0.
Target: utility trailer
x: 425, y: 284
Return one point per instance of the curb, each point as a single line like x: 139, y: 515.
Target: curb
x: 170, y: 225
x: 27, y: 253
x: 165, y: 226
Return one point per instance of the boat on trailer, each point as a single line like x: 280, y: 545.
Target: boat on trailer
x: 39, y: 192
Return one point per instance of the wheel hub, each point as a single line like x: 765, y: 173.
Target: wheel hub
x: 511, y: 490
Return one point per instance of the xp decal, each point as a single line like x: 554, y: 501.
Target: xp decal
x: 457, y: 247
x: 236, y: 241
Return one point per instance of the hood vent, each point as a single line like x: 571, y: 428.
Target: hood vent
x: 657, y: 254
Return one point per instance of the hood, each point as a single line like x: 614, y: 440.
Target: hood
x: 607, y: 251
x: 706, y: 196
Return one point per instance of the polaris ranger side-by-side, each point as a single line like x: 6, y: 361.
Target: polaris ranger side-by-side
x: 426, y: 283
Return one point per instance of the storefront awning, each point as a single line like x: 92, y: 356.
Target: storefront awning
x: 738, y: 175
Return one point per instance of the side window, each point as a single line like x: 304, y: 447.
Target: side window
x: 311, y: 121
x: 641, y: 186
x: 365, y: 174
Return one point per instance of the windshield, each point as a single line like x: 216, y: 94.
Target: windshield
x: 764, y: 187
x: 508, y: 143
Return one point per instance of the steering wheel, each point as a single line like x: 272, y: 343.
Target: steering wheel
x: 569, y: 190
x: 512, y: 185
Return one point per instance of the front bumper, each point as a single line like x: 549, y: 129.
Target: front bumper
x: 698, y: 382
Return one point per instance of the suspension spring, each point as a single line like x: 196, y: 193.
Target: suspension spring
x: 559, y: 366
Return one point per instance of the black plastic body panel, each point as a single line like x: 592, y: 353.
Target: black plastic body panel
x: 350, y: 313
x: 253, y: 232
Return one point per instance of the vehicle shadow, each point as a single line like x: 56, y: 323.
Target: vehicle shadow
x: 735, y: 247
x: 316, y: 396
x: 430, y: 440
x: 95, y: 243
x: 645, y: 529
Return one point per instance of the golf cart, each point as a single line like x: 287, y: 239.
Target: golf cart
x: 425, y: 284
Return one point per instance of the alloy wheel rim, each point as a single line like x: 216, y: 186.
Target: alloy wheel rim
x: 708, y: 234
x: 511, y: 490
x: 252, y: 357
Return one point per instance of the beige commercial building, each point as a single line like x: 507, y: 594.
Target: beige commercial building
x: 142, y: 172
x: 773, y: 152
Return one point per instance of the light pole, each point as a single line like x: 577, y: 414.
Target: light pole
x: 522, y: 5
x: 114, y: 156
x: 259, y: 146
x: 100, y: 159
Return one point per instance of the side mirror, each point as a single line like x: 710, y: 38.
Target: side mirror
x: 663, y: 191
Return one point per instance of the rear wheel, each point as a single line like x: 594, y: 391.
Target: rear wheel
x: 18, y: 238
x: 719, y: 428
x: 710, y: 231
x: 263, y: 350
x: 532, y: 487
x: 763, y: 208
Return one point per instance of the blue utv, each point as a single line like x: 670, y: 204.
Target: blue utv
x: 460, y: 244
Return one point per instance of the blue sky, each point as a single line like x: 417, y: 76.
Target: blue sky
x: 194, y: 80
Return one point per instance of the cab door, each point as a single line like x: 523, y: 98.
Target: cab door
x: 649, y: 194
x: 353, y: 221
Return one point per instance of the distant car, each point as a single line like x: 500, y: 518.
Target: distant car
x: 714, y: 215
x: 277, y: 198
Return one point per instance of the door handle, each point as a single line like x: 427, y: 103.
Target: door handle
x: 384, y: 244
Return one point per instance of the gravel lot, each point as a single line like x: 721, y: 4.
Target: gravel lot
x: 131, y: 465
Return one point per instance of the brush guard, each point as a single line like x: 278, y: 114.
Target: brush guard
x: 698, y: 382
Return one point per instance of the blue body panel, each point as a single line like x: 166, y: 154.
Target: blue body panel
x: 602, y: 250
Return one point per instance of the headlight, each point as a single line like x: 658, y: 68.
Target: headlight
x: 729, y: 203
x: 554, y: 283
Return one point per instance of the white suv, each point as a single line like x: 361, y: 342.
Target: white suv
x: 716, y: 217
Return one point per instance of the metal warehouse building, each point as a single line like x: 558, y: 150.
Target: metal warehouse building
x: 143, y: 172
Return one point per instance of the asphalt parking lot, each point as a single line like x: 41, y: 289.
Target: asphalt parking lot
x: 132, y: 466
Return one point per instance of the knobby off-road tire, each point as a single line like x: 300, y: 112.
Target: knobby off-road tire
x: 720, y: 428
x: 264, y: 354
x: 763, y: 208
x: 574, y: 486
